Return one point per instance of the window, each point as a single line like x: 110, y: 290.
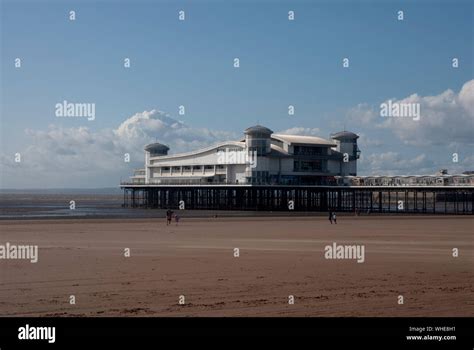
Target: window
x: 308, y: 150
x: 308, y: 166
x: 259, y: 145
x: 260, y: 176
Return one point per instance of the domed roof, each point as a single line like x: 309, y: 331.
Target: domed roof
x: 156, y: 148
x: 344, y: 135
x: 258, y: 129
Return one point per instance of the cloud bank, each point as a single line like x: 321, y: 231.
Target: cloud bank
x: 446, y: 119
x: 79, y: 156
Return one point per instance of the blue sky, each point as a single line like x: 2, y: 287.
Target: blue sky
x: 190, y: 63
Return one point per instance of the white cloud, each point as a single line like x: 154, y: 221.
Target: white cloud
x: 298, y: 130
x: 154, y: 125
x: 447, y: 118
x: 366, y: 141
x: 393, y: 163
x: 466, y: 98
x: 363, y: 113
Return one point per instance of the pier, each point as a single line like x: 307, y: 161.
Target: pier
x: 364, y: 199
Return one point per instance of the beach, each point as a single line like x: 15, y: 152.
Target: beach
x: 278, y: 257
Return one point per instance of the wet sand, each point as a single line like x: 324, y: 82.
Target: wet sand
x: 409, y: 256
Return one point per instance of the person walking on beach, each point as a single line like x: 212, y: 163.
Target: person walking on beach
x: 330, y: 216
x: 176, y: 219
x: 169, y: 215
x: 334, y: 217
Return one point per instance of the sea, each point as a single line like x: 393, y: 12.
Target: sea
x: 93, y: 203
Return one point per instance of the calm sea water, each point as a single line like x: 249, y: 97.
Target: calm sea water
x: 57, y: 203
x: 94, y: 203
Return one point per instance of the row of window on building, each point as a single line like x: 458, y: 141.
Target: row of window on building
x: 447, y: 180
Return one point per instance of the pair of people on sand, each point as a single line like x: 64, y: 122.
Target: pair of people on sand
x: 332, y: 216
x: 169, y: 216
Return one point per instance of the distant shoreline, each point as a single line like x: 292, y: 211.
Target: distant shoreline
x: 159, y: 214
x: 65, y: 191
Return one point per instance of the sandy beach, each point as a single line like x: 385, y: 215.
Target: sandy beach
x: 278, y: 257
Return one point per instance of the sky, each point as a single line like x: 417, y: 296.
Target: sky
x: 191, y: 63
